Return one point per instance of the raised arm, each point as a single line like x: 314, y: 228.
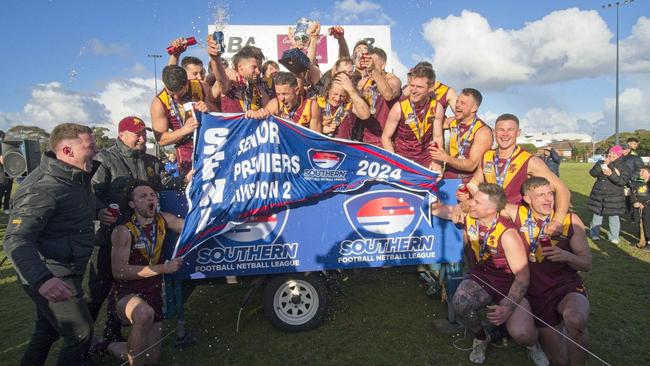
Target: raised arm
x: 359, y: 106
x: 178, y: 44
x: 223, y: 82
x: 339, y: 35
x: 390, y: 127
x: 389, y: 86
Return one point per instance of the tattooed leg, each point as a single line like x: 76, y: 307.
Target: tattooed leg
x: 469, y: 298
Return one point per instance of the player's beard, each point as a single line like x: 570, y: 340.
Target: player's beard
x: 148, y: 212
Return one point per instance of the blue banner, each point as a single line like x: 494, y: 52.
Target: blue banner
x: 248, y: 167
x: 376, y: 225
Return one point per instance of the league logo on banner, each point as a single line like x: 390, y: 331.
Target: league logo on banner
x: 384, y: 213
x: 247, y: 167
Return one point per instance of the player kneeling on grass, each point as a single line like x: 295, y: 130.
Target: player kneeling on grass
x: 557, y: 294
x: 498, y: 277
x: 137, y: 272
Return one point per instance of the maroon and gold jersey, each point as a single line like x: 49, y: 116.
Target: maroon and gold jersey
x: 440, y: 90
x: 176, y: 115
x: 343, y: 117
x: 140, y: 256
x: 241, y: 98
x: 373, y: 127
x: 491, y: 266
x: 462, y: 138
x: 546, y: 274
x: 415, y: 131
x: 301, y: 115
x: 513, y: 178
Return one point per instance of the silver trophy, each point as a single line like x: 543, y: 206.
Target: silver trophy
x: 300, y: 35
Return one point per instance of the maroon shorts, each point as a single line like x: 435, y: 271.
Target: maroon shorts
x: 545, y: 307
x: 496, y: 286
x: 152, y: 298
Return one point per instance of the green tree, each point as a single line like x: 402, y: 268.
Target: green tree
x: 22, y: 132
x: 580, y: 152
x: 642, y: 134
x: 101, y: 140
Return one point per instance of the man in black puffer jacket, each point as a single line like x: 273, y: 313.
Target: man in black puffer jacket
x: 607, y: 197
x: 121, y: 164
x: 49, y: 240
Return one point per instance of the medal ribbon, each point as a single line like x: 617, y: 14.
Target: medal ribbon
x: 501, y: 175
x: 483, y: 242
x: 420, y: 125
x: 463, y: 141
x: 534, y: 241
x: 149, y: 245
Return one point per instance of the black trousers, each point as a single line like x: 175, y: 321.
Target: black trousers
x: 68, y: 319
x: 100, y: 281
x: 5, y: 192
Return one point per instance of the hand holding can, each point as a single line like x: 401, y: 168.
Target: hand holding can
x: 114, y: 210
x: 178, y: 49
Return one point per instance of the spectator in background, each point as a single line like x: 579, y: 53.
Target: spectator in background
x: 634, y: 163
x: 6, y: 183
x: 171, y: 166
x: 641, y: 204
x: 552, y: 160
x: 607, y: 197
x: 632, y: 160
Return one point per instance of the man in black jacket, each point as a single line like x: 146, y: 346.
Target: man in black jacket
x: 121, y: 164
x: 49, y: 239
x: 607, y: 197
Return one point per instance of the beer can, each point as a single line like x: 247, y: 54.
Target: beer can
x: 544, y: 240
x: 462, y: 188
x: 433, y: 144
x: 114, y: 209
x: 218, y: 38
x: 335, y: 32
x: 190, y: 41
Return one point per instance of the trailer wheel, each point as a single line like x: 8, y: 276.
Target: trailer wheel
x: 295, y: 302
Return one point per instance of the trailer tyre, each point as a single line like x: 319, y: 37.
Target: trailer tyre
x: 295, y: 302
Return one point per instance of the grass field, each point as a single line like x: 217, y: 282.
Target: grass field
x: 380, y: 317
